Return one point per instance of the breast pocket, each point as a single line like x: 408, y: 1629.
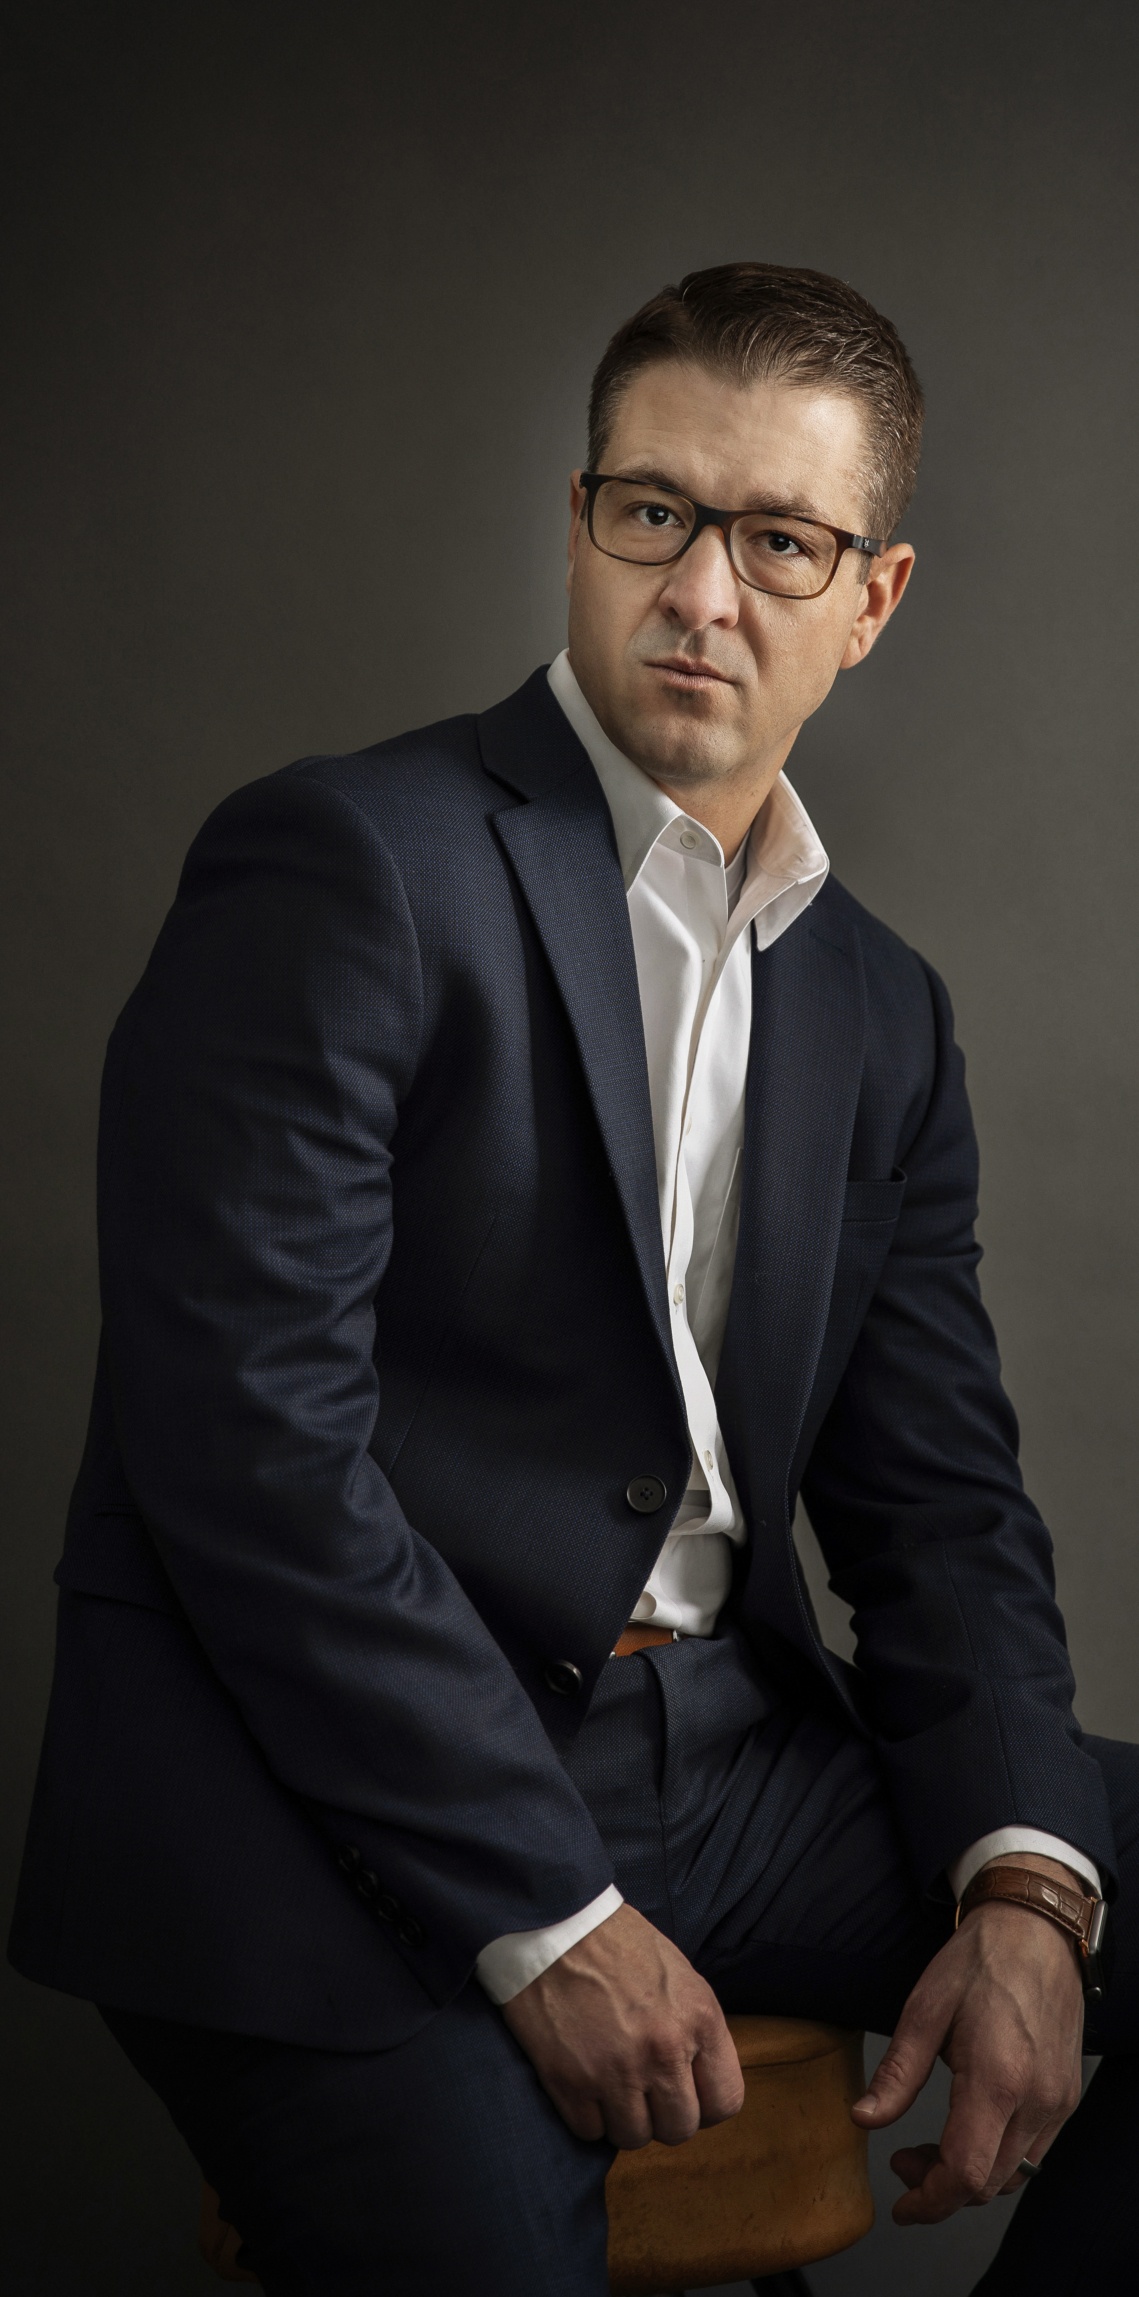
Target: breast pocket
x: 874, y: 1203
x: 869, y: 1217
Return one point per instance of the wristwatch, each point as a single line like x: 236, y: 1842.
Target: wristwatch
x: 1081, y: 1915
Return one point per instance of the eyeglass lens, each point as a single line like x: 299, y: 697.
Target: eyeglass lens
x: 642, y: 524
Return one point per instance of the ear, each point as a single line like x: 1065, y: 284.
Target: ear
x: 577, y: 506
x: 881, y: 593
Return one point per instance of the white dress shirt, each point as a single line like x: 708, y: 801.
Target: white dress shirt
x: 693, y: 918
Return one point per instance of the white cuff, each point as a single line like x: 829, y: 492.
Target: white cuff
x: 510, y: 1962
x: 1012, y: 1838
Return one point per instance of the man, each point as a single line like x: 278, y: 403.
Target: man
x: 441, y: 1738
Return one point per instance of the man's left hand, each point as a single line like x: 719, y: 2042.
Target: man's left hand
x: 1002, y: 2003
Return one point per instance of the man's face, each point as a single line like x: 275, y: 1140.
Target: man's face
x: 696, y: 677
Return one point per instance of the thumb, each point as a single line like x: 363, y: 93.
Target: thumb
x: 903, y: 2072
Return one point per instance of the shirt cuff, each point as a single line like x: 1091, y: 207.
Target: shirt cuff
x: 511, y: 1962
x: 1013, y: 1838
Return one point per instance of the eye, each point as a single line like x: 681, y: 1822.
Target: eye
x: 656, y: 516
x: 782, y: 545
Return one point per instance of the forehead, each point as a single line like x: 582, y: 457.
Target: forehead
x: 795, y: 445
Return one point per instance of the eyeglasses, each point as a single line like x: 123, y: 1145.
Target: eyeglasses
x: 650, y: 525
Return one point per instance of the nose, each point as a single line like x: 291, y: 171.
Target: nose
x: 702, y: 587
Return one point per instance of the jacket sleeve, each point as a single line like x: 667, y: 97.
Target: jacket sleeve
x: 249, y: 1127
x: 915, y: 1494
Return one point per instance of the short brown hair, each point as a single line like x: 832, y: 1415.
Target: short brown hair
x: 761, y: 321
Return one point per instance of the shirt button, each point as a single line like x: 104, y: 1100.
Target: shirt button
x: 646, y: 1494
x: 689, y: 840
x: 709, y: 1463
x: 678, y: 1293
x: 563, y: 1677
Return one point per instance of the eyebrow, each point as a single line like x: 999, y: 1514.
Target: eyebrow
x: 780, y: 507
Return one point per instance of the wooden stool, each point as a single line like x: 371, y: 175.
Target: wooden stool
x: 781, y: 2185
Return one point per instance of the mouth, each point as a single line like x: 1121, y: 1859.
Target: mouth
x: 686, y: 676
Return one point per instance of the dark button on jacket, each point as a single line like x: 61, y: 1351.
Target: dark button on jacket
x: 646, y: 1494
x: 562, y: 1676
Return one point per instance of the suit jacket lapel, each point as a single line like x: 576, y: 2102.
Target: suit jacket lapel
x: 563, y: 853
x: 804, y: 1072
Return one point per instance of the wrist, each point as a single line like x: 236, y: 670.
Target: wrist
x: 1044, y: 1887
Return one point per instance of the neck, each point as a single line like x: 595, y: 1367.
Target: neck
x: 727, y: 807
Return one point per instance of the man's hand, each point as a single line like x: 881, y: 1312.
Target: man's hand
x: 626, y: 2039
x: 1003, y: 2005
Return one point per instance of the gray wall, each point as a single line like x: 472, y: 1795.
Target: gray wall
x: 299, y: 289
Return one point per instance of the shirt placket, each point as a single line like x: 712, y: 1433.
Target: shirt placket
x: 707, y: 923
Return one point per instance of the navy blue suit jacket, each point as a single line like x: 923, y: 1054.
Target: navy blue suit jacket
x: 386, y: 1341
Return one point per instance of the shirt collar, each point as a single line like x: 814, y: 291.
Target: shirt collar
x: 783, y: 848
x: 641, y: 811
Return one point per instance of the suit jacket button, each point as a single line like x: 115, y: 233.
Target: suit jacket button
x: 562, y: 1676
x: 387, y: 1906
x: 367, y: 1883
x: 348, y: 1857
x: 646, y: 1494
x: 411, y: 1931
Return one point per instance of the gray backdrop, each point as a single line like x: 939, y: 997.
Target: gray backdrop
x: 305, y: 301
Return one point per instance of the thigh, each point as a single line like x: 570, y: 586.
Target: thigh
x: 789, y: 1881
x: 435, y: 2166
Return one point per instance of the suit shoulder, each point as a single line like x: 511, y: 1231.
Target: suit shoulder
x: 410, y: 799
x: 438, y: 767
x: 898, y: 977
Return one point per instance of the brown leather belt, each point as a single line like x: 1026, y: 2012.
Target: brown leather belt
x: 639, y: 1638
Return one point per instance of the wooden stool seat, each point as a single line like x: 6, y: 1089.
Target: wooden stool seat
x: 781, y: 2185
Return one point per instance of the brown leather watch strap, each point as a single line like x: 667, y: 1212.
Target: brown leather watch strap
x: 1057, y: 1901
x: 1079, y: 1914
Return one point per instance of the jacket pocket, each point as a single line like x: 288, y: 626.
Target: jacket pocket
x: 874, y: 1201
x: 110, y: 1553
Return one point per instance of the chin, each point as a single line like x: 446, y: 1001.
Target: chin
x: 683, y: 761
x: 680, y: 749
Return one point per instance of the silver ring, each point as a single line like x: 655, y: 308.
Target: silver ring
x: 1029, y: 2168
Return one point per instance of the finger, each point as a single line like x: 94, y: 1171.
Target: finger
x: 1038, y: 2146
x: 580, y: 2114
x: 674, y: 2114
x: 1026, y: 2113
x: 627, y: 2118
x: 962, y: 2165
x: 1016, y: 2181
x: 912, y: 2162
x: 718, y: 2079
x: 1027, y: 2138
x: 905, y: 2067
x: 1035, y: 2153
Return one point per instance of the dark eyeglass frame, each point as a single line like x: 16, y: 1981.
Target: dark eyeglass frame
x: 592, y: 481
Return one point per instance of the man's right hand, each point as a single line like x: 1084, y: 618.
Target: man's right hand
x: 627, y: 2039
